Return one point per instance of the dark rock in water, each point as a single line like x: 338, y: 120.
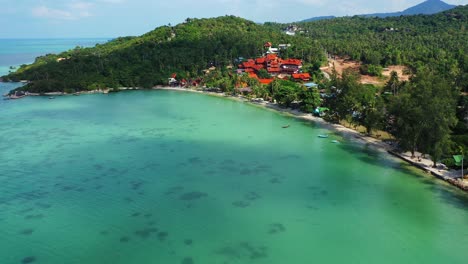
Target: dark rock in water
x: 145, y: 233
x: 275, y: 180
x: 243, y: 251
x: 192, y: 196
x: 187, y: 261
x: 31, y: 217
x: 25, y: 210
x: 188, y: 242
x: 276, y: 228
x: 27, y: 232
x: 29, y: 259
x: 173, y: 190
x: 253, y: 252
x: 194, y: 160
x: 43, y: 205
x: 162, y: 235
x: 124, y: 239
x: 251, y: 196
x: 241, y: 204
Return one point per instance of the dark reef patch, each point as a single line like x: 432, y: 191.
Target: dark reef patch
x: 192, y: 196
x: 33, y: 217
x: 188, y: 242
x: 26, y: 211
x: 242, y: 251
x: 26, y: 232
x: 275, y: 181
x: 162, y: 235
x: 145, y: 233
x: 173, y: 190
x: 187, y: 260
x: 276, y: 228
x: 29, y: 259
x: 43, y: 205
x: 124, y: 239
x: 251, y: 196
x: 241, y: 204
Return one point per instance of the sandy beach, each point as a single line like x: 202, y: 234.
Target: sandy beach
x: 425, y: 164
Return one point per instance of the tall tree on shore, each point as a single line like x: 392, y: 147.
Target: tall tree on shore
x: 424, y: 113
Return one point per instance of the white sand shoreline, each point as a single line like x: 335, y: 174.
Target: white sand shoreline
x: 351, y: 135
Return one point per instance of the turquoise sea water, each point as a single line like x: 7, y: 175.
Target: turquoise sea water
x: 14, y: 52
x: 171, y: 177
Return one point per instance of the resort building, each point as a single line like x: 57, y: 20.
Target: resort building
x: 273, y: 64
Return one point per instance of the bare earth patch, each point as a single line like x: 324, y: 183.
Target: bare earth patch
x: 342, y: 64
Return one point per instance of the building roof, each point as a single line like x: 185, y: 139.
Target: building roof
x: 296, y: 62
x: 301, y: 76
x: 253, y: 75
x: 260, y: 60
x: 266, y: 81
x: 273, y: 69
x: 311, y: 84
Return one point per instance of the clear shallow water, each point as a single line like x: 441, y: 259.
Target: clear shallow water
x: 168, y: 177
x: 14, y: 52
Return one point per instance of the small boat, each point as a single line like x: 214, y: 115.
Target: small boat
x: 335, y: 141
x: 286, y: 126
x: 323, y: 136
x: 51, y: 97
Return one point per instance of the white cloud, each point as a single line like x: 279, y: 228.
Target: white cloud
x: 81, y: 9
x: 45, y: 12
x: 71, y: 11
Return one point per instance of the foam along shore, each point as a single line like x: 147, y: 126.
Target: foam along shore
x: 450, y: 176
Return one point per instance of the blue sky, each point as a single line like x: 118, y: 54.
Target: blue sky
x: 111, y: 18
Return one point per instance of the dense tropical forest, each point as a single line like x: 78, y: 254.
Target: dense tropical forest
x: 428, y: 113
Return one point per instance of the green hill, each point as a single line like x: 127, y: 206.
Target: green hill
x: 186, y: 49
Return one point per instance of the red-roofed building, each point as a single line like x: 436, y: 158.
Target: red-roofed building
x: 301, y: 76
x: 272, y: 63
x: 274, y: 70
x: 291, y: 66
x: 253, y: 75
x: 270, y: 57
x: 260, y: 60
x: 266, y: 81
x: 296, y: 62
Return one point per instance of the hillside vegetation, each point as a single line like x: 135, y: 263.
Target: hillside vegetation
x: 436, y: 41
x: 186, y: 49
